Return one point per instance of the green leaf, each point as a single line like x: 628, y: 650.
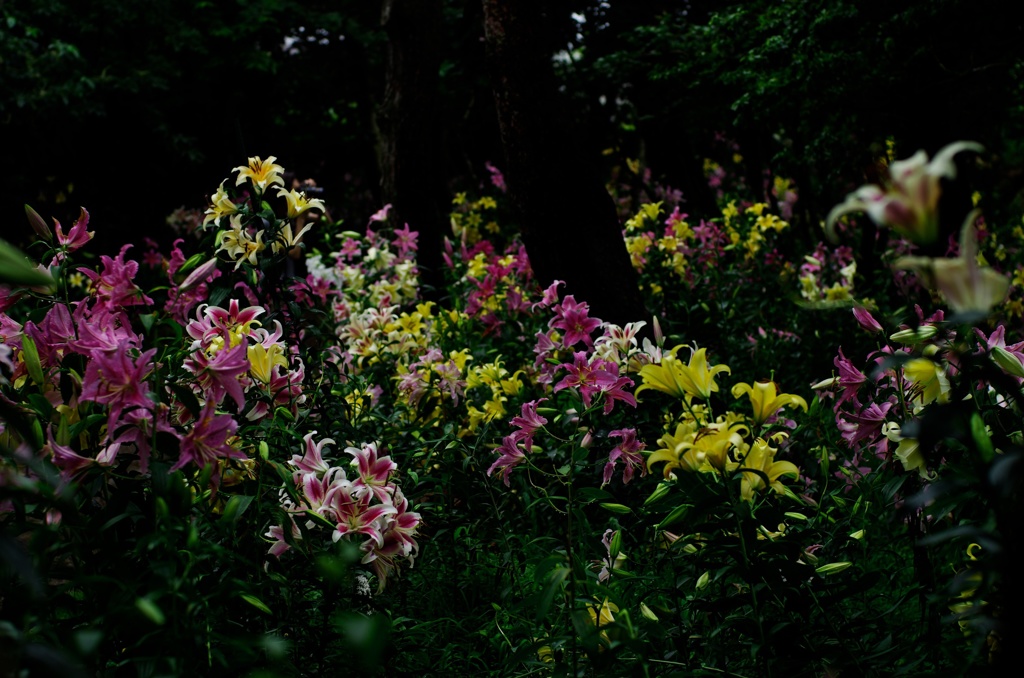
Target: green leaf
x: 615, y: 546
x: 31, y: 357
x: 981, y: 438
x: 589, y: 494
x: 554, y: 585
x: 15, y: 268
x: 151, y: 610
x: 235, y: 507
x: 256, y: 602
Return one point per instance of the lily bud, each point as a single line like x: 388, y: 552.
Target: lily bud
x: 38, y: 224
x: 199, y: 275
x: 866, y: 320
x: 832, y: 568
x: 703, y: 580
x: 647, y: 612
x: 1008, y: 362
x: 659, y: 336
x: 914, y: 336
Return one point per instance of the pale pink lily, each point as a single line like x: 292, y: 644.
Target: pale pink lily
x: 966, y: 286
x: 382, y: 558
x: 403, y: 525
x: 398, y: 542
x: 276, y: 534
x: 312, y: 461
x: 318, y: 491
x: 909, y: 200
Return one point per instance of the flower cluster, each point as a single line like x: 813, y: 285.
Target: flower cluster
x: 827, y: 275
x: 231, y: 355
x: 722, y: 445
x: 591, y: 370
x: 369, y: 506
x: 251, y: 229
x: 689, y: 252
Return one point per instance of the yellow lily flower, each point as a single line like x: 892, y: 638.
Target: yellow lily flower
x: 221, y: 206
x: 298, y: 203
x: 766, y: 400
x: 671, y: 376
x: 908, y: 451
x: 930, y: 377
x: 287, y: 240
x: 262, y: 172
x: 699, y: 449
x: 762, y: 458
x: 673, y: 448
x: 602, y: 615
x: 262, y: 361
x: 238, y: 245
x: 712, y: 445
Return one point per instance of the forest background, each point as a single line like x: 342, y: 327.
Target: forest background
x: 95, y: 96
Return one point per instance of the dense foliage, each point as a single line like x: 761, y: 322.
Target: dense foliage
x: 215, y: 460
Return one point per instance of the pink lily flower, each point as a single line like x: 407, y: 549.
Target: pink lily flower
x: 116, y: 380
x: 528, y: 422
x: 102, y: 331
x: 599, y: 377
x: 510, y: 457
x: 850, y: 378
x: 312, y: 462
x: 137, y: 427
x: 76, y: 238
x: 574, y: 319
x: 72, y: 464
x: 373, y: 472
x: 354, y: 515
x: 208, y: 440
x: 113, y: 287
x: 219, y: 375
x: 550, y: 295
x: 629, y: 451
x: 866, y: 320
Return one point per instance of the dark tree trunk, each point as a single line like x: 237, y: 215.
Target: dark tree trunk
x: 567, y: 219
x: 412, y: 178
